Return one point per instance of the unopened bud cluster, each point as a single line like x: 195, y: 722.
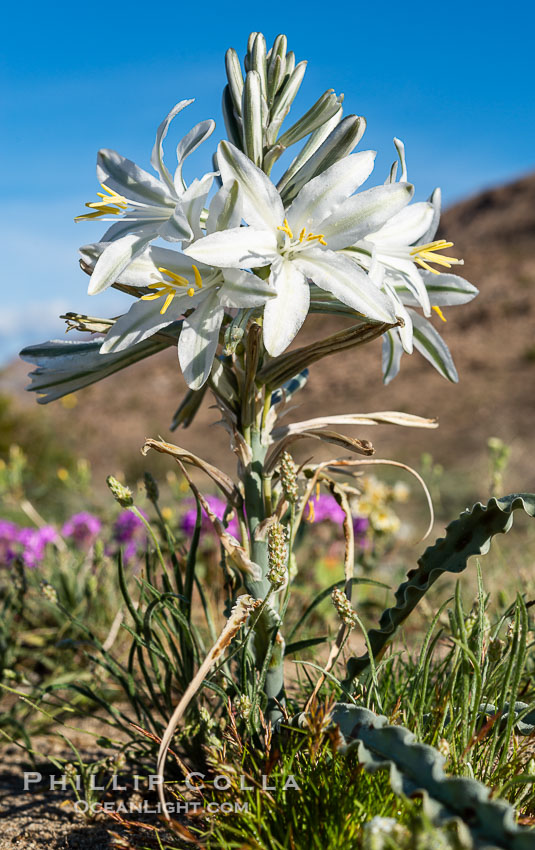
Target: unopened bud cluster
x: 343, y: 608
x: 48, y: 591
x: 116, y: 763
x: 120, y: 493
x: 277, y: 555
x: 496, y: 650
x: 243, y: 706
x: 444, y: 748
x: 151, y: 487
x: 288, y: 473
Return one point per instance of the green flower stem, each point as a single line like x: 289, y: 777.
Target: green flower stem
x: 154, y: 539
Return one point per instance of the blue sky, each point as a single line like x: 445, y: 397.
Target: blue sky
x: 455, y: 82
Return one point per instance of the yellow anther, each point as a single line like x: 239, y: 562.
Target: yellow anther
x: 176, y: 278
x: 318, y: 488
x: 425, y: 254
x: 191, y: 292
x: 302, y: 234
x: 286, y: 228
x: 198, y: 278
x: 162, y: 289
x: 111, y: 204
x: 311, y: 511
x: 167, y: 302
x: 319, y: 236
x: 439, y: 313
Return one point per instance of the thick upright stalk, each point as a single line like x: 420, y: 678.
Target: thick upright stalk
x: 268, y: 641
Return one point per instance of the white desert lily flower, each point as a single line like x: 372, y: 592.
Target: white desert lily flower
x: 149, y: 207
x: 399, y: 258
x: 197, y: 294
x: 301, y: 243
x: 404, y: 245
x: 395, y: 252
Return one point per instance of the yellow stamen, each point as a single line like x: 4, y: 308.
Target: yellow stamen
x: 303, y: 235
x: 162, y: 289
x: 198, y: 278
x: 425, y: 254
x: 286, y: 228
x: 318, y: 488
x: 311, y: 512
x: 319, y: 236
x: 439, y: 313
x: 169, y: 289
x: 176, y: 278
x: 111, y: 204
x: 167, y: 302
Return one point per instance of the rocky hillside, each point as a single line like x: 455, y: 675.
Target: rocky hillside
x: 492, y: 340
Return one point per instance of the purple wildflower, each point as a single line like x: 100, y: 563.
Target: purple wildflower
x: 83, y: 529
x: 218, y: 506
x: 129, y: 534
x: 327, y: 509
x: 32, y: 543
x: 8, y: 536
x: 127, y: 526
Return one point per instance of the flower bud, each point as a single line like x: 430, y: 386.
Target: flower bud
x: 120, y: 493
x: 151, y: 487
x: 243, y: 706
x: 49, y: 592
x: 444, y: 748
x: 496, y: 650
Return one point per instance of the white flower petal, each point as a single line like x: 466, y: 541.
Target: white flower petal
x: 262, y: 206
x: 320, y: 197
x: 400, y: 269
x: 190, y: 143
x: 144, y: 269
x: 348, y: 282
x: 448, y: 290
x: 391, y: 355
x: 142, y: 320
x: 431, y: 345
x: 198, y: 341
x: 243, y: 289
x: 405, y: 332
x: 116, y: 257
x: 364, y: 213
x: 241, y: 246
x: 156, y: 159
x: 128, y: 179
x: 193, y: 202
x: 124, y: 226
x: 404, y: 228
x: 226, y: 209
x: 284, y: 314
x: 436, y: 202
x: 176, y: 228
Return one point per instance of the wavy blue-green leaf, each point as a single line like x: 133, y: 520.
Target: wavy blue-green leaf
x: 417, y: 770
x: 469, y: 535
